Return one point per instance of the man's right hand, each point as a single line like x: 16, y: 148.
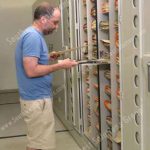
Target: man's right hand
x: 67, y: 63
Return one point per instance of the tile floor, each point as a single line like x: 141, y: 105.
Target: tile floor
x: 11, y: 112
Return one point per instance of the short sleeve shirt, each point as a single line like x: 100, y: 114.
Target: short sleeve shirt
x: 32, y: 44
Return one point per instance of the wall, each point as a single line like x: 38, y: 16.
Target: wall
x: 14, y: 18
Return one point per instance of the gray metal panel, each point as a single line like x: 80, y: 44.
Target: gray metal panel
x: 115, y: 105
x: 103, y: 81
x: 66, y: 39
x: 130, y: 75
x: 145, y: 99
x: 74, y: 42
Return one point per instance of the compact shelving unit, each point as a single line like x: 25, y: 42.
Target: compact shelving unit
x: 71, y: 37
x: 98, y: 109
x: 89, y: 75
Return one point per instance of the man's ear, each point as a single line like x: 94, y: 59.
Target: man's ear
x: 43, y: 20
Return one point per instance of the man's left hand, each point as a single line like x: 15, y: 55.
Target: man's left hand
x: 54, y: 55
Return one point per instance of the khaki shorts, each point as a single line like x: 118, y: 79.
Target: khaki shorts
x: 39, y: 118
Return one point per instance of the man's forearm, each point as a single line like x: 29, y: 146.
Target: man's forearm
x: 41, y: 70
x: 33, y: 69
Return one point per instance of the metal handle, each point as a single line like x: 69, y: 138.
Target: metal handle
x: 95, y: 61
x: 148, y: 65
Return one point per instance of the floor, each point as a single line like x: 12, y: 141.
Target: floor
x: 11, y: 125
x: 19, y: 143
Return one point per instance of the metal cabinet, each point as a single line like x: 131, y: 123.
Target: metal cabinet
x: 110, y: 100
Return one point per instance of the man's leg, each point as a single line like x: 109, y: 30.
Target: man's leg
x: 35, y: 113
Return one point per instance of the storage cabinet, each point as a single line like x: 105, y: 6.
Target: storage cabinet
x: 106, y: 94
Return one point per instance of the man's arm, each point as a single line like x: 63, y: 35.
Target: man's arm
x: 33, y: 69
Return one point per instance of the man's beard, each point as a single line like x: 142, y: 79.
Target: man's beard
x: 48, y: 31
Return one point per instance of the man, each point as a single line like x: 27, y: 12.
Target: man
x: 35, y: 79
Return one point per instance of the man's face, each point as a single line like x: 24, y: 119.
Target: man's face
x: 52, y: 23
